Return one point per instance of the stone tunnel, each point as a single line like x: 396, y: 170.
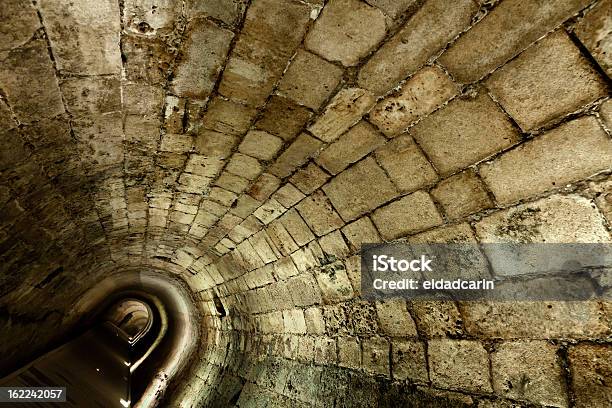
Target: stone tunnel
x: 225, y: 160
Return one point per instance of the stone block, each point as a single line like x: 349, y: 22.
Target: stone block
x: 360, y: 189
x: 309, y: 80
x: 263, y: 188
x: 18, y: 21
x: 228, y: 117
x: 314, y: 320
x: 591, y: 368
x: 349, y: 352
x: 360, y: 140
x: 215, y: 144
x: 394, y: 319
x: 319, y: 214
x: 594, y: 32
x: 228, y: 11
x: 406, y: 164
x: 260, y: 145
x: 571, y: 152
x: 529, y: 370
x: 325, y: 350
x: 298, y: 153
x: 283, y: 117
x: 437, y: 318
x: 232, y: 182
x: 344, y: 110
x: 490, y: 44
x: 204, y: 51
x: 288, y: 195
x: 464, y: 132
x: 176, y: 143
x: 296, y: 227
x: 462, y: 194
x: 309, y: 178
x: 410, y: 214
x: 28, y: 81
x: 304, y: 290
x: 420, y: 95
x: 528, y: 86
x: 95, y: 96
x: 84, y: 36
x: 334, y: 283
x: 284, y: 268
x: 333, y: 246
x: 293, y: 321
x: 269, y: 211
x: 203, y: 165
x: 245, y: 205
x: 376, y: 356
x: 459, y: 364
x: 556, y: 218
x: 425, y: 34
x: 281, y: 238
x: 360, y: 232
x: 243, y: 165
x: 408, y: 361
x: 147, y: 60
x: 340, y: 35
x: 393, y: 8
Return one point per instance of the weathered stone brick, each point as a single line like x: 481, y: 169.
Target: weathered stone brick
x: 393, y: 8
x: 263, y: 188
x: 232, y: 182
x: 176, y: 143
x: 281, y: 239
x: 459, y: 364
x: 333, y: 245
x: 203, y: 165
x: 408, y: 361
x: 92, y: 96
x: 288, y: 195
x: 309, y: 80
x: 419, y: 96
x: 147, y: 60
x: 349, y: 352
x: 557, y: 218
x: 394, y: 319
x: 334, y: 283
x: 261, y: 145
x: 227, y: 117
x: 269, y: 211
x: 462, y: 194
x: 340, y: 35
x: 283, y: 117
x: 228, y: 11
x: 406, y: 165
x: 304, y: 290
x: 528, y: 87
x: 319, y: 214
x: 360, y: 232
x: 296, y: 227
x: 302, y: 148
x: 243, y: 165
x: 325, y: 350
x: 359, y: 189
x: 590, y: 367
x: 594, y: 32
x: 211, y: 143
x: 464, y: 132
x: 294, y: 321
x: 529, y: 370
x: 150, y: 17
x: 314, y: 320
x: 376, y: 356
x: 343, y: 111
x: 28, y: 80
x: 360, y: 140
x: 410, y: 214
x: 272, y: 30
x: 309, y: 178
x: 204, y: 52
x: 489, y: 44
x: 425, y: 33
x: 84, y: 36
x: 18, y: 21
x: 580, y: 147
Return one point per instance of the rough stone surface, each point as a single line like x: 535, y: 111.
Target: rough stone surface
x: 367, y: 186
x: 581, y: 149
x: 464, y: 132
x: 528, y: 87
x: 18, y: 22
x: 420, y: 95
x: 283, y: 117
x: 339, y: 33
x: 425, y: 33
x: 594, y: 32
x: 462, y: 194
x: 408, y: 361
x: 451, y: 361
x: 260, y: 144
x: 490, y: 44
x: 410, y: 214
x: 319, y: 214
x: 590, y: 372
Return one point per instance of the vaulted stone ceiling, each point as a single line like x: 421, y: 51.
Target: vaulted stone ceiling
x: 250, y: 147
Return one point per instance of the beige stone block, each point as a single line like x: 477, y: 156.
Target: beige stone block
x: 243, y: 165
x: 309, y: 178
x: 283, y: 117
x: 594, y: 32
x: 344, y: 110
x: 298, y: 152
x: 459, y: 364
x: 325, y: 350
x: 94, y: 96
x: 420, y: 95
x: 263, y: 188
x: 314, y: 320
x: 394, y: 319
x: 176, y: 143
x: 360, y: 140
x: 529, y: 370
x: 294, y: 322
x: 406, y: 164
x: 410, y: 214
x: 425, y: 33
x: 334, y: 283
x: 462, y: 194
x: 319, y: 214
x: 232, y: 182
x: 296, y: 227
x: 214, y: 144
x: 349, y: 352
x: 18, y: 21
x: 528, y: 87
x: 340, y: 35
x: 393, y: 8
x: 333, y: 245
x: 309, y: 80
x: 591, y: 367
x: 464, y: 132
x: 227, y: 117
x: 203, y: 165
x: 359, y: 189
x: 571, y: 152
x: 360, y: 232
x: 408, y: 361
x: 375, y: 356
x: 228, y: 11
x: 260, y: 144
x: 288, y: 195
x: 490, y: 44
